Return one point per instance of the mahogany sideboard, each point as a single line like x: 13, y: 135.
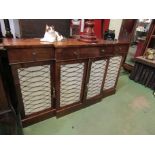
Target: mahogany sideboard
x: 54, y: 79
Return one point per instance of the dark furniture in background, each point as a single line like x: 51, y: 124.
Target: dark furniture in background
x: 59, y: 78
x: 9, y: 118
x: 1, y: 35
x: 127, y: 29
x: 144, y: 69
x: 151, y: 38
x: 128, y: 32
x: 35, y: 28
x: 8, y: 123
x: 144, y: 72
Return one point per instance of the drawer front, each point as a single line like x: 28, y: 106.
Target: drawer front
x: 83, y: 52
x: 30, y: 54
x: 106, y: 50
x: 77, y: 53
x: 121, y: 49
x: 89, y: 52
x: 67, y: 53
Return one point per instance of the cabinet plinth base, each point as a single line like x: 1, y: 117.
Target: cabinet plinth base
x: 37, y: 118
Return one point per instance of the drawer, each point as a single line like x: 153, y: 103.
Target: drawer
x: 121, y: 48
x: 83, y: 52
x: 89, y: 52
x: 106, y: 50
x: 77, y: 53
x: 96, y: 51
x: 67, y: 53
x: 30, y: 54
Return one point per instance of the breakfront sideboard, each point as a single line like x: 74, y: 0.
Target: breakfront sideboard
x: 55, y: 79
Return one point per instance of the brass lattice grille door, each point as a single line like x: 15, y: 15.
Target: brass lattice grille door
x: 112, y: 72
x: 35, y: 85
x: 71, y: 77
x: 96, y: 78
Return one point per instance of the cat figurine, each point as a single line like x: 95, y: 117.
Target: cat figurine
x: 51, y: 35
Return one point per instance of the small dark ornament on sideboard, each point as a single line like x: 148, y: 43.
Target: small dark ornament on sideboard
x: 109, y: 35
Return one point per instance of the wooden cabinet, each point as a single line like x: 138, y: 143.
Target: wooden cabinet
x: 151, y: 38
x: 31, y: 55
x: 64, y: 76
x: 34, y: 83
x: 127, y: 29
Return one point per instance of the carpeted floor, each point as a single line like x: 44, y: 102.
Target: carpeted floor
x: 130, y: 111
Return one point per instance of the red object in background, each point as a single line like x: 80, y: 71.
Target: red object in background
x: 106, y: 25
x: 101, y: 25
x: 139, y: 50
x: 98, y: 28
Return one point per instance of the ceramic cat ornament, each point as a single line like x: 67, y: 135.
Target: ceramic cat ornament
x: 51, y: 35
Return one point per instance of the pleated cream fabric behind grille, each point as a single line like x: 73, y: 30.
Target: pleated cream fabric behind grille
x: 112, y: 72
x: 35, y: 86
x: 96, y: 78
x: 71, y: 83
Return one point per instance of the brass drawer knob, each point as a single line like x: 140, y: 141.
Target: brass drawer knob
x: 76, y: 53
x: 102, y: 50
x: 34, y: 53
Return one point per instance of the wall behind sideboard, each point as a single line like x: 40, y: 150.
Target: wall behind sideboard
x: 35, y: 28
x: 14, y: 26
x: 28, y: 28
x: 115, y: 24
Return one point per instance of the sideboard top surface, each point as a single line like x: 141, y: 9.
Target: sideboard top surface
x: 23, y: 43
x: 35, y: 42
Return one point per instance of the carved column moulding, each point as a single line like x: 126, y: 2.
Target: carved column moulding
x: 89, y: 34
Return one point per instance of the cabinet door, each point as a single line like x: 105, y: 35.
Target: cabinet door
x: 70, y: 85
x: 34, y: 85
x: 96, y: 78
x: 112, y: 72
